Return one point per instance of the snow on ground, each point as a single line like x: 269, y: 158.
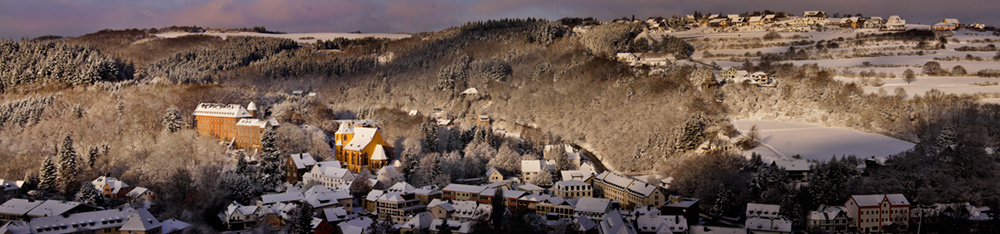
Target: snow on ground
x: 296, y: 36
x: 948, y: 85
x: 782, y: 140
x: 991, y: 100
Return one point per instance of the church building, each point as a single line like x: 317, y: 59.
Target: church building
x: 361, y: 146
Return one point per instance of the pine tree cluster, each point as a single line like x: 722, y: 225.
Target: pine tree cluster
x: 28, y: 62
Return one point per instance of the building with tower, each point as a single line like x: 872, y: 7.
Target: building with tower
x: 239, y: 126
x: 361, y: 146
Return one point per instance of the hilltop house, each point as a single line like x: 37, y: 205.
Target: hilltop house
x: 297, y: 166
x: 361, y: 146
x: 875, y: 212
x: 814, y: 15
x: 232, y: 123
x: 894, y: 23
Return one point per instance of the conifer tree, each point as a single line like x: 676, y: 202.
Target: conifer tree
x: 410, y: 163
x: 270, y: 173
x: 430, y: 136
x: 172, y: 120
x: 47, y: 175
x: 67, y: 165
x: 303, y: 216
x: 241, y: 163
x: 89, y: 195
x: 92, y: 155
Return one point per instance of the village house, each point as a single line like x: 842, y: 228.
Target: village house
x: 232, y: 123
x: 361, y: 146
x: 493, y: 175
x: 329, y: 174
x: 814, y: 15
x: 615, y: 223
x: 572, y: 188
x: 830, y: 219
x: 10, y: 188
x: 511, y: 199
x: 333, y: 216
x: 593, y: 208
x: 628, y: 191
x: 849, y: 22
x: 421, y: 221
x: 111, y: 187
x: 555, y: 206
x: 661, y: 224
x: 687, y: 207
x: 398, y: 203
x: 755, y: 21
x: 876, y: 212
x: 873, y: 22
x: 531, y: 168
x: 290, y: 195
x: 320, y: 197
x: 25, y: 209
x: 797, y: 170
x: 462, y: 192
x: 572, y: 155
x: 141, y: 222
x: 123, y: 220
x: 471, y: 211
x: 894, y: 23
x: 770, y: 18
x: 764, y: 218
x: 239, y: 217
x: 440, y: 209
x: 627, y: 57
x: 297, y: 166
x: 427, y: 193
x: 456, y: 226
x: 370, y: 204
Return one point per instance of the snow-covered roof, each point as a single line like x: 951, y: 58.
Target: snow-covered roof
x: 9, y: 185
x: 530, y: 187
x: 288, y: 196
x: 876, y: 199
x: 537, y: 165
x: 18, y: 206
x: 237, y: 207
x: 53, y: 207
x: 771, y: 16
x: 762, y: 210
x: 642, y: 188
x: 401, y: 187
x: 88, y: 220
x: 335, y: 214
x: 792, y: 165
x: 512, y: 194
x: 779, y: 225
x: 464, y: 188
x: 328, y: 164
x: 575, y: 175
x: 345, y: 128
x: 826, y: 213
x: 950, y: 21
x: 374, y: 195
x: 471, y: 91
x: 446, y: 205
x: 756, y: 18
x: 379, y: 154
x: 320, y: 196
x: 112, y: 182
x: 333, y: 172
x: 594, y: 205
x: 362, y: 137
x: 303, y: 160
x: 566, y: 183
x: 585, y: 223
x: 614, y: 223
x: 15, y: 227
x: 221, y: 110
x: 420, y: 221
x: 251, y: 106
x: 141, y: 220
x: 137, y: 192
x: 661, y: 223
x: 355, y: 226
x: 257, y: 122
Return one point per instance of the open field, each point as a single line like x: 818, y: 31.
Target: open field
x: 296, y: 36
x: 948, y: 85
x: 782, y: 140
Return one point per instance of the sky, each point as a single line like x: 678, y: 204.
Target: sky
x: 33, y: 18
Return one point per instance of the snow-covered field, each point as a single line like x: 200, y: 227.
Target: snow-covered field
x: 296, y: 36
x: 781, y: 140
x: 948, y: 85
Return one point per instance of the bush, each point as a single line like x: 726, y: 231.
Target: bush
x: 772, y: 36
x: 610, y: 38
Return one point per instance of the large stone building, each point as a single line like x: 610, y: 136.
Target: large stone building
x: 360, y: 146
x: 628, y: 191
x: 232, y: 123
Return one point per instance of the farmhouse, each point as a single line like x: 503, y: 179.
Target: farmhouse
x: 111, y: 187
x: 894, y: 23
x: 232, y: 123
x: 297, y: 166
x: 814, y: 15
x: 830, y: 219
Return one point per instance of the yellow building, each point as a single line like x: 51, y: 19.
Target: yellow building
x: 360, y: 146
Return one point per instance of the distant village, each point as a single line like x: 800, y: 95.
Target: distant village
x: 591, y: 199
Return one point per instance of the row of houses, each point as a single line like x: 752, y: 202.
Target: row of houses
x: 123, y: 220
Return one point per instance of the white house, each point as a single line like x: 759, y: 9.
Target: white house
x: 531, y: 168
x: 894, y: 23
x: 330, y: 175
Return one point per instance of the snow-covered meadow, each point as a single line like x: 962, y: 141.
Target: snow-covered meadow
x: 782, y: 140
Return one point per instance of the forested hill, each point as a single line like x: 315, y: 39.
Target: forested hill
x: 561, y: 84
